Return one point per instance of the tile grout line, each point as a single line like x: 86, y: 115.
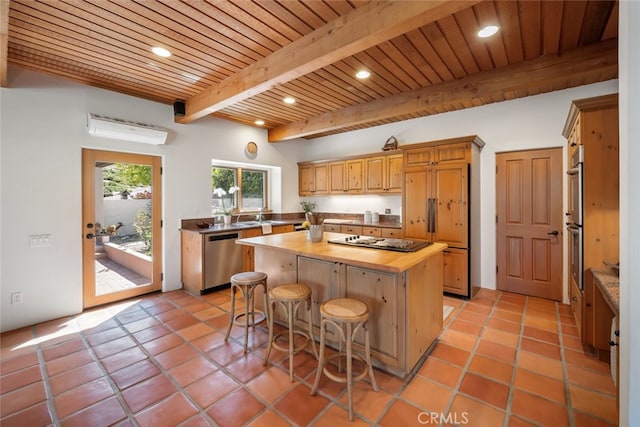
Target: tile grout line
x: 242, y: 384
x: 512, y: 385
x: 45, y: 379
x: 565, y: 375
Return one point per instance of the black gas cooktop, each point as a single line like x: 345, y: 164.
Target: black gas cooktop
x: 398, y: 245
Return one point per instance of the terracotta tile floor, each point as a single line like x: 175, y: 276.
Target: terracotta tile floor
x: 502, y: 360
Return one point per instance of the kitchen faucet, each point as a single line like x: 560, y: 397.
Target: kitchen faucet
x: 260, y: 217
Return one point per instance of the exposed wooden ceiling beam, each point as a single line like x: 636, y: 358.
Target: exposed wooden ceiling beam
x: 360, y: 29
x: 602, y: 57
x: 4, y: 41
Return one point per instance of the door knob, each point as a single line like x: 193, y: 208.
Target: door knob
x: 553, y: 233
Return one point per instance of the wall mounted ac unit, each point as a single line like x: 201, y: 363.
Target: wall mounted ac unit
x: 124, y: 130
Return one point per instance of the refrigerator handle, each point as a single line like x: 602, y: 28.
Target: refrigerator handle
x: 433, y: 215
x: 428, y: 215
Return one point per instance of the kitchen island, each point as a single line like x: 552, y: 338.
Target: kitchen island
x: 402, y: 290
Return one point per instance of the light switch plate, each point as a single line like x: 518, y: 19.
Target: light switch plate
x: 39, y: 240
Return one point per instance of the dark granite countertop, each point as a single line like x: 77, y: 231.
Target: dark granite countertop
x: 190, y: 225
x: 608, y: 282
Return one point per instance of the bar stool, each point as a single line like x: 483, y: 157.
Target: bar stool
x: 290, y: 296
x: 247, y: 282
x: 352, y: 314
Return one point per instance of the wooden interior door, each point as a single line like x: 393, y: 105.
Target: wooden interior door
x: 529, y: 222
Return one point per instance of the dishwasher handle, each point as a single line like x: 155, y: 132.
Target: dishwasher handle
x: 216, y: 237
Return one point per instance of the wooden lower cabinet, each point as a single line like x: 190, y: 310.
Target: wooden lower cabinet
x: 456, y: 271
x: 379, y: 290
x: 351, y: 229
x: 334, y: 228
x: 323, y: 277
x: 248, y: 263
x: 575, y: 300
x: 596, y: 319
x: 381, y: 293
x: 365, y: 230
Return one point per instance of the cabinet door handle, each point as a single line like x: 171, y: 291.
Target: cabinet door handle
x: 574, y: 298
x: 433, y: 215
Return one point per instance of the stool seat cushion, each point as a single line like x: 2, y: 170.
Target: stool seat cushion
x: 344, y: 309
x: 248, y: 277
x: 293, y: 291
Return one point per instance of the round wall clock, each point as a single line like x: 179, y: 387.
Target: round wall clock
x: 252, y: 148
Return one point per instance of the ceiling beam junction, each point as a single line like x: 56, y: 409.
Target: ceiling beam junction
x: 362, y: 28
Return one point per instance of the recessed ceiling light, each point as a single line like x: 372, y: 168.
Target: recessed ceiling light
x: 160, y: 51
x: 259, y: 122
x: 363, y: 74
x: 289, y: 100
x: 488, y: 31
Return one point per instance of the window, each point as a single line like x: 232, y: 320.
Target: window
x: 237, y: 189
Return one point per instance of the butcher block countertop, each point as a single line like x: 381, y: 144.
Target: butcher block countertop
x: 378, y: 259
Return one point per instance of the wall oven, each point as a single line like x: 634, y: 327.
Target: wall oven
x: 574, y: 216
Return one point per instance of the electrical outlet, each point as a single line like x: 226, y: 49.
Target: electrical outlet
x: 16, y: 298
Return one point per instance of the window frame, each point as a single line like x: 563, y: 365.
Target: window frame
x: 237, y: 196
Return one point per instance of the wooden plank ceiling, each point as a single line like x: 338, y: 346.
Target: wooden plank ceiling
x: 238, y: 59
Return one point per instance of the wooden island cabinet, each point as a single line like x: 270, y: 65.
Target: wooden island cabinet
x: 402, y: 290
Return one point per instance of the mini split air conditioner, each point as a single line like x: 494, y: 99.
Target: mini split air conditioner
x: 124, y: 130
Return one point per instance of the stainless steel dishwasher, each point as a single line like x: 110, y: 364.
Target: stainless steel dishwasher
x: 223, y: 259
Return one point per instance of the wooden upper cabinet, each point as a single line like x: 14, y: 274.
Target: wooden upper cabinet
x: 354, y: 175
x: 384, y: 174
x: 313, y: 179
x: 346, y: 176
x: 336, y: 177
x: 437, y: 154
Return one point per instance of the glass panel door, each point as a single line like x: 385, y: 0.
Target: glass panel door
x: 121, y: 226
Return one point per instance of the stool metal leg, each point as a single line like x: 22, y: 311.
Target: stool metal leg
x: 246, y: 294
x: 314, y: 389
x: 233, y: 311
x: 290, y: 315
x: 270, y: 309
x: 310, y: 317
x: 367, y: 349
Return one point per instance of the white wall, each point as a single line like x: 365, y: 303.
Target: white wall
x: 629, y: 60
x: 42, y: 133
